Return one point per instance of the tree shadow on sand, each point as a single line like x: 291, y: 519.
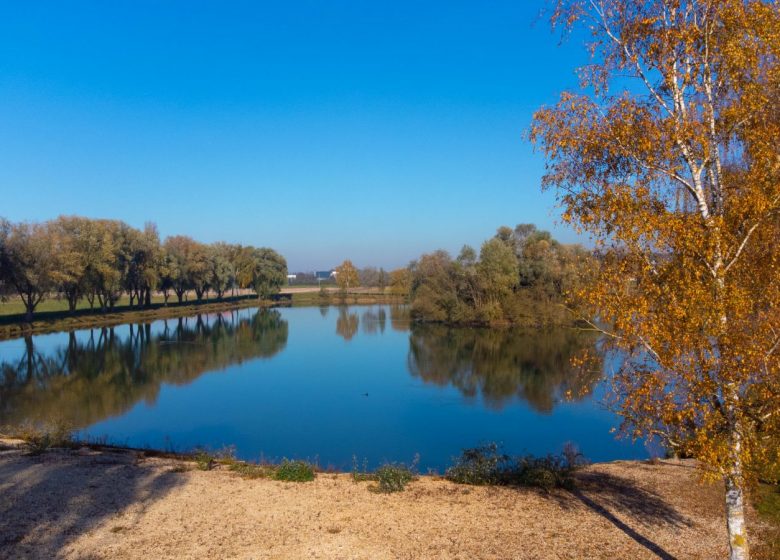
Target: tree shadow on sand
x: 639, y: 508
x: 48, y: 501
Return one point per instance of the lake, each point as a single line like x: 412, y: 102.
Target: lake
x: 325, y: 384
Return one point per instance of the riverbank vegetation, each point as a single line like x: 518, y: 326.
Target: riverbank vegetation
x: 520, y: 277
x: 98, y: 261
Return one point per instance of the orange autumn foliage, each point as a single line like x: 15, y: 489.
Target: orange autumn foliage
x: 672, y: 164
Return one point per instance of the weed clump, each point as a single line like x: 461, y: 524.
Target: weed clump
x: 359, y: 475
x: 486, y: 465
x: 248, y: 470
x: 294, y: 471
x: 38, y: 439
x: 390, y: 477
x: 204, y: 460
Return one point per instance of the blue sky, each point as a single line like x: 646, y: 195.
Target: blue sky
x: 325, y: 129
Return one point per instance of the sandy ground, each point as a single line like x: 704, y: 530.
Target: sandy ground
x: 91, y: 504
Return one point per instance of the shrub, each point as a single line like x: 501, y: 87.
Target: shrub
x: 478, y: 466
x: 546, y: 473
x: 485, y: 465
x: 294, y: 471
x: 38, y: 439
x: 393, y: 477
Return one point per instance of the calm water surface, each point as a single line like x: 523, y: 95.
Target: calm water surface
x: 322, y: 384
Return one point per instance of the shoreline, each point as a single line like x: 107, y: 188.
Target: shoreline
x: 12, y: 326
x: 117, y: 503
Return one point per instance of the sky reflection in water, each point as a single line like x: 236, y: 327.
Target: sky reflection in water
x: 324, y: 384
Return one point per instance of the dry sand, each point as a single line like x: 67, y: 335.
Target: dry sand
x: 91, y: 504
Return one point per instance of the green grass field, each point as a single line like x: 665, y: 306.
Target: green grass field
x: 14, y: 305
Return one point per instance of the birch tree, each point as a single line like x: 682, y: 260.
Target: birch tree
x: 669, y: 158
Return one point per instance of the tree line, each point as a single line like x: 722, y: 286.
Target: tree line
x: 521, y: 276
x: 100, y: 260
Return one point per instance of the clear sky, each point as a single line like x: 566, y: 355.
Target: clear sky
x: 328, y: 129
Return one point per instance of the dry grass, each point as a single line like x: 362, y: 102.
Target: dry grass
x: 111, y: 504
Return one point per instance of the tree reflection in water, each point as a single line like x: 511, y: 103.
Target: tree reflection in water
x: 347, y: 323
x: 500, y: 365
x: 89, y: 379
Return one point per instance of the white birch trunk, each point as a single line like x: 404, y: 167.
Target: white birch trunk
x: 735, y: 519
x: 735, y: 506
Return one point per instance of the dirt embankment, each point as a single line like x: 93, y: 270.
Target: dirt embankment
x: 108, y: 504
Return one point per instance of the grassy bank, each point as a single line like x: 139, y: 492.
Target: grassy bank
x: 334, y: 297
x: 12, y: 326
x: 53, y: 315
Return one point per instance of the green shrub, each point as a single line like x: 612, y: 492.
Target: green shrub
x: 486, y: 465
x: 478, y: 466
x: 393, y: 478
x: 546, y: 473
x: 294, y: 471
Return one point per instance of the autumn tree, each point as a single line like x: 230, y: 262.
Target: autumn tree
x: 222, y: 268
x: 69, y: 257
x: 142, y: 254
x: 497, y: 269
x: 168, y: 272
x: 677, y: 177
x: 199, y: 269
x: 262, y: 269
x: 178, y: 250
x: 28, y: 264
x: 400, y: 281
x: 347, y: 276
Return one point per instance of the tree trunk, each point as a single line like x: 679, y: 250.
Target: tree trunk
x: 735, y: 519
x: 29, y: 306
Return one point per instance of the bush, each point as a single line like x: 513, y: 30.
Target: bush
x: 552, y: 471
x: 393, y: 477
x: 390, y: 477
x: 486, y: 465
x: 478, y: 466
x: 294, y: 471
